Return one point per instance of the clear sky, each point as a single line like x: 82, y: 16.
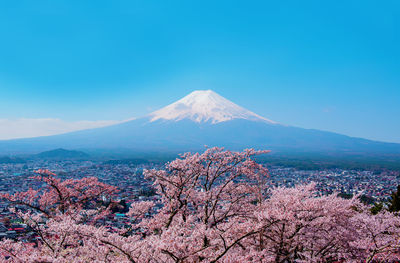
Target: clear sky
x: 330, y: 65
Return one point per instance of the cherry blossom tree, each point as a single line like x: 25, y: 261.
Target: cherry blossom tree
x: 213, y: 207
x: 208, y: 200
x: 51, y: 210
x: 378, y: 236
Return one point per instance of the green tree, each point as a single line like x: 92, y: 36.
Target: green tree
x: 376, y: 208
x: 394, y: 202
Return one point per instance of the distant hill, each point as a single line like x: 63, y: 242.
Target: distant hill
x: 62, y: 154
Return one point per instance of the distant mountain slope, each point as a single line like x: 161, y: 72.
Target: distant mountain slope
x: 205, y: 118
x: 62, y: 154
x: 7, y: 159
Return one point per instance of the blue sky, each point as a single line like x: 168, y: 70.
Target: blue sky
x: 330, y: 65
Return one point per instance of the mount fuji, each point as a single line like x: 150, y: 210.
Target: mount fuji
x: 203, y: 118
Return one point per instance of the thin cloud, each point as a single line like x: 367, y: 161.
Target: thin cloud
x: 25, y: 128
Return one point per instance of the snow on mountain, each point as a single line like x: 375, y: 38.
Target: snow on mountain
x: 205, y: 106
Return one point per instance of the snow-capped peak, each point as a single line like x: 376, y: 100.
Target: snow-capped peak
x: 205, y: 106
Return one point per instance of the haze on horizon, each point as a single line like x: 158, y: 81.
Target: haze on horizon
x: 69, y: 65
